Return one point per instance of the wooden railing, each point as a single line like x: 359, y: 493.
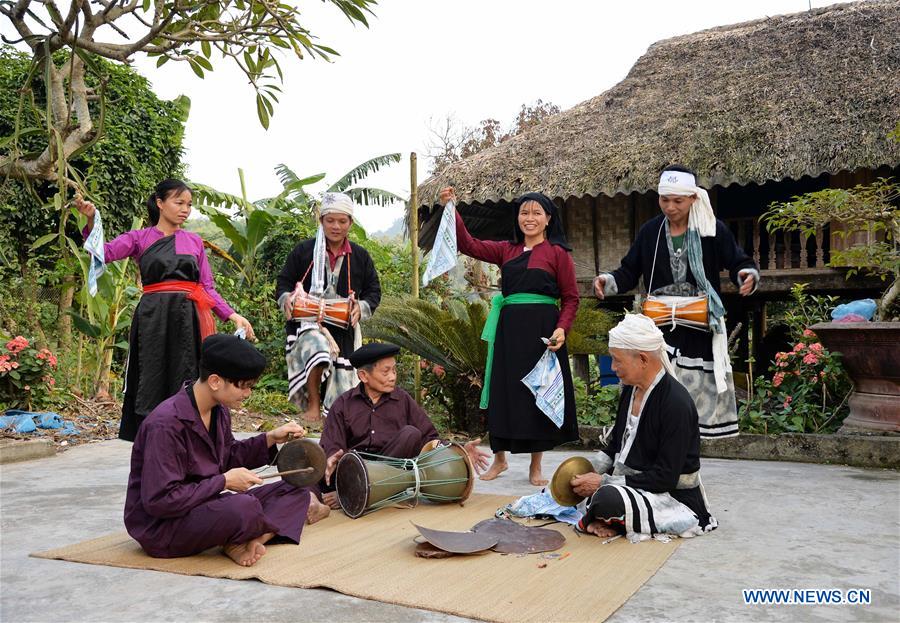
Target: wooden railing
x: 780, y: 250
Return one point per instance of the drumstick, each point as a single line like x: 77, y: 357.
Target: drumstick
x: 302, y: 470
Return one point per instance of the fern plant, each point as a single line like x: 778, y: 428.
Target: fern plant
x: 448, y: 337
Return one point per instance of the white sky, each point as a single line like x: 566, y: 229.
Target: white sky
x: 420, y: 60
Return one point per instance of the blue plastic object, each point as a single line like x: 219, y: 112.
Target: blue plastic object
x: 607, y: 376
x: 19, y: 421
x: 862, y: 307
x: 48, y: 419
x: 69, y: 429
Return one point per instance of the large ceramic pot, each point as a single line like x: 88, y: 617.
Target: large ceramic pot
x: 871, y: 354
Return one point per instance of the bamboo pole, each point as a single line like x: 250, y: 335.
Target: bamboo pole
x: 414, y: 248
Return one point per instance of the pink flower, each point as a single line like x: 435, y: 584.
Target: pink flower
x: 811, y: 359
x: 41, y: 355
x: 51, y: 381
x: 27, y: 388
x: 423, y: 364
x: 778, y: 379
x: 787, y: 401
x: 52, y: 360
x: 14, y: 365
x: 822, y: 374
x: 808, y: 333
x: 17, y: 344
x: 782, y: 364
x: 438, y: 371
x: 799, y: 347
x: 816, y: 347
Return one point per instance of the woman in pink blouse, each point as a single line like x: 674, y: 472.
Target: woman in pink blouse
x: 175, y: 311
x: 539, y: 300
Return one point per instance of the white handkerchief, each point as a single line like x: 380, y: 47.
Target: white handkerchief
x: 443, y: 253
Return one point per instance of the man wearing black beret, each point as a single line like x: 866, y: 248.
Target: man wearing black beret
x: 378, y: 417
x: 185, y: 457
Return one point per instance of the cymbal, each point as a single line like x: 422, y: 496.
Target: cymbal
x: 560, y: 488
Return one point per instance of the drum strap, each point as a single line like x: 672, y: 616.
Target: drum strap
x: 338, y: 266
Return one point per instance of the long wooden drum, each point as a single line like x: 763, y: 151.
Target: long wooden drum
x: 689, y: 311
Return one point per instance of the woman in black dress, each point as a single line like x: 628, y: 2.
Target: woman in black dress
x: 537, y: 272
x: 176, y: 309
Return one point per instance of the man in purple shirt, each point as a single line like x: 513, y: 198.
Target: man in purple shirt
x: 378, y: 417
x: 185, y: 456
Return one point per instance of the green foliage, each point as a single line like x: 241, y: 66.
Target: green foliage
x: 448, y: 338
x: 106, y: 317
x: 590, y: 330
x: 870, y: 208
x: 805, y: 389
x: 26, y: 374
x: 141, y: 144
x: 270, y: 402
x: 363, y: 194
x: 805, y: 310
x: 258, y: 306
x: 598, y: 408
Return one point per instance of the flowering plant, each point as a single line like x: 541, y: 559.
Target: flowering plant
x: 26, y: 373
x: 806, y: 391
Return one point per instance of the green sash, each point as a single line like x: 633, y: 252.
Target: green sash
x: 490, y: 330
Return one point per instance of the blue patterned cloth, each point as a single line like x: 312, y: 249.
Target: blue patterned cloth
x: 545, y: 381
x: 543, y: 505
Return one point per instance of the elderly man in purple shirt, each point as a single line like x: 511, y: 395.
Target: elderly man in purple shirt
x: 185, y: 456
x: 378, y: 417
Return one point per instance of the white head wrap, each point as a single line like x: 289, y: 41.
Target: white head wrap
x: 336, y: 203
x: 638, y: 332
x: 684, y: 184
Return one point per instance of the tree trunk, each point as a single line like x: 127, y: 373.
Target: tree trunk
x: 63, y: 318
x: 581, y: 367
x: 29, y: 293
x: 103, y: 371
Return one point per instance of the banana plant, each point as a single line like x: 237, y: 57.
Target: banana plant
x: 106, y: 316
x: 245, y: 223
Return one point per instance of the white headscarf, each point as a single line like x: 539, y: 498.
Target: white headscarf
x: 684, y: 184
x: 336, y: 203
x: 638, y: 332
x: 332, y: 203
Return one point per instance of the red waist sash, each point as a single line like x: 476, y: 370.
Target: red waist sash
x: 195, y: 292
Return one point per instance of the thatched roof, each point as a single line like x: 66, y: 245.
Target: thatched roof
x: 782, y: 97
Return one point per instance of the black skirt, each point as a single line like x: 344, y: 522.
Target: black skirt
x: 164, y: 341
x: 514, y: 421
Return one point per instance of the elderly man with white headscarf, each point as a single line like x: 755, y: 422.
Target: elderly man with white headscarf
x: 679, y: 255
x: 648, y: 475
x: 328, y: 267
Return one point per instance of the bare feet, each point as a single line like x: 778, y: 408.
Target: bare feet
x: 317, y: 511
x: 247, y: 554
x: 331, y: 499
x: 312, y: 416
x: 496, y: 468
x: 601, y: 529
x: 536, y: 477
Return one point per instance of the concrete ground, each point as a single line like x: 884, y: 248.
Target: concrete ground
x: 783, y: 525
